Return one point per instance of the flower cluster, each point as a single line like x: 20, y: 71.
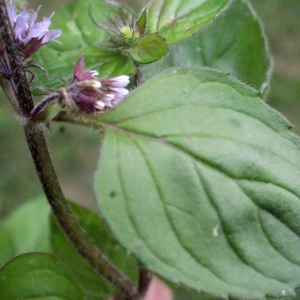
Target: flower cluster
x: 90, y: 94
x: 94, y: 95
x: 30, y: 35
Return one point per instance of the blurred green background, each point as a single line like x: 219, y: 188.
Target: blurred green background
x: 75, y: 150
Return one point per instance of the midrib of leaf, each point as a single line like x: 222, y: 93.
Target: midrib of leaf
x: 202, y: 160
x: 117, y: 126
x: 235, y: 109
x: 254, y: 164
x: 210, y: 164
x: 162, y: 138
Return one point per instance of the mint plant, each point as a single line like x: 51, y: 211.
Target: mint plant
x: 197, y: 180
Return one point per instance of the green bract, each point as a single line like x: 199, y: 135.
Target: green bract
x: 199, y: 179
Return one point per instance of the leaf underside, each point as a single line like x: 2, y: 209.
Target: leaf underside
x: 199, y: 178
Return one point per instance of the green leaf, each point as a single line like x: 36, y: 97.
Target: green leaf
x: 148, y: 48
x: 234, y: 43
x: 92, y: 284
x: 7, y: 247
x: 177, y: 20
x: 29, y: 226
x: 79, y: 36
x: 37, y: 276
x: 199, y: 178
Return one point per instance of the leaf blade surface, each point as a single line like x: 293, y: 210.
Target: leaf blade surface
x: 190, y: 166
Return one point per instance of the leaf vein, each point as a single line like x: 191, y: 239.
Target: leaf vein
x: 256, y: 147
x: 200, y: 159
x: 264, y: 208
x: 270, y: 241
x: 117, y: 124
x: 231, y: 244
x: 161, y: 259
x: 161, y: 197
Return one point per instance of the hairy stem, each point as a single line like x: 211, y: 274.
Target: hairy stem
x: 16, y: 76
x: 19, y: 94
x: 65, y: 217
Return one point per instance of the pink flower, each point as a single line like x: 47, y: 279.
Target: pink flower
x: 94, y: 95
x: 29, y: 34
x: 89, y: 93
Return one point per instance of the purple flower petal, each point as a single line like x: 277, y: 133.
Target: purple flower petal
x: 11, y: 14
x: 27, y: 31
x: 96, y: 95
x: 120, y: 91
x: 120, y: 81
x: 34, y: 16
x: 51, y: 35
